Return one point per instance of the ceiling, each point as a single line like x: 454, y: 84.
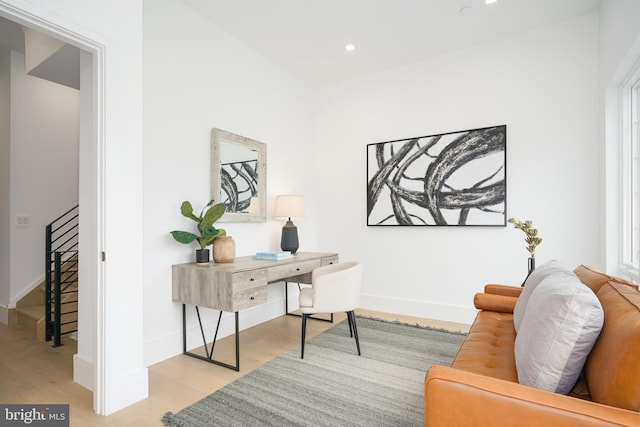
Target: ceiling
x: 308, y: 37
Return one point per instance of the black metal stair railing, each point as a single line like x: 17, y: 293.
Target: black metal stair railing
x: 61, y: 276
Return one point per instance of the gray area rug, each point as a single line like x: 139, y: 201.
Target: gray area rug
x: 333, y: 386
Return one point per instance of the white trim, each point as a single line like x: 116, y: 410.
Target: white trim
x: 619, y: 139
x: 614, y: 214
x: 425, y: 309
x: 4, y: 314
x: 83, y: 372
x: 99, y: 113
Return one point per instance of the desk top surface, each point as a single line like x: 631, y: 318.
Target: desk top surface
x: 249, y: 263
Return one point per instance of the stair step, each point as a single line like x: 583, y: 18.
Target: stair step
x: 31, y: 317
x: 35, y: 297
x: 35, y: 312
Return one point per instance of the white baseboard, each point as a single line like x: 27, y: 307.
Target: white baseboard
x: 4, y: 314
x: 83, y: 372
x: 424, y: 309
x: 8, y: 315
x: 132, y: 389
x: 129, y: 389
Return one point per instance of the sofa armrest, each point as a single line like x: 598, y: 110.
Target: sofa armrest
x: 494, y: 289
x: 453, y: 397
x: 498, y: 303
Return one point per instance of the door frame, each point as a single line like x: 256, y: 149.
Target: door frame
x: 89, y: 370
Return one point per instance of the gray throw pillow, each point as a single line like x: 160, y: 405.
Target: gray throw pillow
x: 549, y: 268
x: 560, y: 326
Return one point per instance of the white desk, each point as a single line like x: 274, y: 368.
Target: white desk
x: 235, y: 286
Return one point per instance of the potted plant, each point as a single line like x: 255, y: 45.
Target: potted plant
x: 207, y: 232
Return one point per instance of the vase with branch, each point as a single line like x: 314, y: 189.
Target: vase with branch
x: 532, y: 240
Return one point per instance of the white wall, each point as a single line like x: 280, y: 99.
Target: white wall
x: 196, y: 78
x: 543, y: 85
x: 44, y: 168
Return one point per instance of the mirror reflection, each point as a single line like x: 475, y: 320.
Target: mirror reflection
x: 238, y: 176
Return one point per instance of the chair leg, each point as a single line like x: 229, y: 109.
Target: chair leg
x: 352, y: 317
x: 350, y: 325
x: 304, y: 332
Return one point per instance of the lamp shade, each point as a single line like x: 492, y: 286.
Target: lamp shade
x: 289, y: 206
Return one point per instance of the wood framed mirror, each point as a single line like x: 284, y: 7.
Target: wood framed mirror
x: 239, y: 176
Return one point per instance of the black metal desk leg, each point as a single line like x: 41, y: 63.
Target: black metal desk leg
x: 184, y: 328
x: 209, y: 358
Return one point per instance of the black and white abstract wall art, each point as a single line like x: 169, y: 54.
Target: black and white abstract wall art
x: 239, y: 184
x: 450, y: 179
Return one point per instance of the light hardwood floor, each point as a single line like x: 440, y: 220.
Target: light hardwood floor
x: 34, y: 372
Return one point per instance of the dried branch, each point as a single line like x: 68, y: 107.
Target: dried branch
x: 532, y: 238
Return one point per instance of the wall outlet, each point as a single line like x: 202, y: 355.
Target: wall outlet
x: 23, y: 220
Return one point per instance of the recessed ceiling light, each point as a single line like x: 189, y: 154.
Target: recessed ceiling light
x: 490, y: 1
x: 350, y: 47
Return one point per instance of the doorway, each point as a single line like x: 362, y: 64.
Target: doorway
x: 90, y: 177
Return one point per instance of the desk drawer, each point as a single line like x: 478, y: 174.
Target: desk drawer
x: 244, y: 280
x: 249, y: 297
x: 306, y: 277
x: 248, y: 288
x: 280, y: 272
x: 330, y: 260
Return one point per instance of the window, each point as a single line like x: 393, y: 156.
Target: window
x: 630, y: 177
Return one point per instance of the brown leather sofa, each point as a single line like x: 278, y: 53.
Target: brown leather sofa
x: 481, y: 387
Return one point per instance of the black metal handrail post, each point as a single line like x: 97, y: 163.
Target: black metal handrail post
x: 57, y: 301
x: 47, y: 285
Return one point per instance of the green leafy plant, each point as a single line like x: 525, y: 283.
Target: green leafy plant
x: 207, y: 232
x: 532, y: 238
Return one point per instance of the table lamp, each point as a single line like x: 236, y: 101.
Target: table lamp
x: 289, y: 206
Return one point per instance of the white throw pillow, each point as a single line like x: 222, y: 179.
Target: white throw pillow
x: 549, y: 268
x: 560, y: 326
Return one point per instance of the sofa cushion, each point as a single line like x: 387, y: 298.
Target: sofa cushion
x: 561, y: 323
x: 549, y: 268
x: 613, y: 367
x: 488, y: 347
x: 596, y: 279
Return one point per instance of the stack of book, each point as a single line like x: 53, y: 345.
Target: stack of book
x: 273, y: 256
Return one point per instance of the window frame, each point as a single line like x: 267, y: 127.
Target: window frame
x: 629, y: 122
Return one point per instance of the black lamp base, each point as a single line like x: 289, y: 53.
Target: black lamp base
x: 289, y: 240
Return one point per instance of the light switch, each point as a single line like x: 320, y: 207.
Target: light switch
x: 23, y: 220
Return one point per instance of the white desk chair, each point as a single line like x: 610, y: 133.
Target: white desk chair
x: 334, y: 288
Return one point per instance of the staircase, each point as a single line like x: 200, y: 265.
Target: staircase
x: 31, y: 311
x: 51, y: 309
